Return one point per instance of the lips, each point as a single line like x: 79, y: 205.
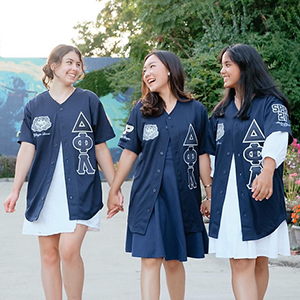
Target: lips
x: 149, y: 81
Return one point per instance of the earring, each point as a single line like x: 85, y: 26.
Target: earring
x: 168, y: 73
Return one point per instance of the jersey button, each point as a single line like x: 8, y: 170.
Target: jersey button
x: 154, y: 190
x: 158, y: 170
x: 161, y: 153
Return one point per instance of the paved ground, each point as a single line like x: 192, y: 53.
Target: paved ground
x: 110, y: 272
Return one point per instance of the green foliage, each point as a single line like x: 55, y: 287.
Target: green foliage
x: 196, y: 31
x: 96, y: 81
x: 204, y: 79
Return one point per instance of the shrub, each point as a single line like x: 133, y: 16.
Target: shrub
x: 7, y: 166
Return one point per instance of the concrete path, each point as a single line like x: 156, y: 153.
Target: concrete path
x: 113, y: 274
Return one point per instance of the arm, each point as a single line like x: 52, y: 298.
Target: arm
x: 105, y: 162
x: 273, y: 154
x: 126, y: 162
x: 24, y: 161
x: 205, y: 170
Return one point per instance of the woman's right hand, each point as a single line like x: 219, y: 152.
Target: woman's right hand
x: 10, y: 202
x: 114, y: 203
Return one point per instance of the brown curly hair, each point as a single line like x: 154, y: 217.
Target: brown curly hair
x: 56, y: 56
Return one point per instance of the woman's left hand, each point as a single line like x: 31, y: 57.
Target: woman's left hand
x: 205, y: 208
x: 262, y: 186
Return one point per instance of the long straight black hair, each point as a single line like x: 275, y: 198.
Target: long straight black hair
x: 153, y: 105
x: 255, y: 79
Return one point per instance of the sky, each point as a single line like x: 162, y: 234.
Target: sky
x: 32, y: 28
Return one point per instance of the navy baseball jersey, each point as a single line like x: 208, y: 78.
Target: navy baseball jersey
x: 245, y: 140
x: 78, y: 124
x: 185, y: 128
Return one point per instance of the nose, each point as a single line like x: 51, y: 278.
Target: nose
x: 222, y: 71
x: 146, y: 73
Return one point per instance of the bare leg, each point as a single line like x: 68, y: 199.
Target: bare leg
x: 175, y: 275
x: 50, y: 267
x: 72, y: 264
x: 243, y: 279
x: 262, y: 276
x: 150, y: 278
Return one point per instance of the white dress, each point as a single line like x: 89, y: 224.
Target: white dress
x: 229, y: 243
x: 54, y: 217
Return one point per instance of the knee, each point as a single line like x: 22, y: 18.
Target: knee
x: 151, y: 263
x: 50, y: 257
x: 69, y: 254
x: 261, y: 265
x: 242, y: 265
x: 172, y: 265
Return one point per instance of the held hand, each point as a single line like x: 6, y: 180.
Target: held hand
x: 114, y: 204
x: 10, y: 202
x: 205, y: 208
x: 262, y: 186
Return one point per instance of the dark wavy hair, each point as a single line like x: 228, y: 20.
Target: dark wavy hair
x: 152, y: 103
x: 56, y: 56
x: 255, y: 79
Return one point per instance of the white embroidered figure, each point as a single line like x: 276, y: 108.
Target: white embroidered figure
x: 150, y: 132
x: 83, y: 143
x: 41, y: 123
x: 190, y: 156
x: 252, y: 154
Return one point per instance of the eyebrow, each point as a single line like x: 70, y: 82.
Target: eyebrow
x: 150, y: 63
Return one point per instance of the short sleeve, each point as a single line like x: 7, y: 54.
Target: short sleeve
x: 276, y: 118
x: 211, y: 146
x: 130, y: 139
x: 25, y: 134
x: 102, y: 128
x: 203, y: 135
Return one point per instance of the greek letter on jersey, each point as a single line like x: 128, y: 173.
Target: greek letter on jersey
x: 252, y: 153
x: 190, y: 156
x: 83, y: 143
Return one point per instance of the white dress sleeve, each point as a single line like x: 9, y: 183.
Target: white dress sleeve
x: 276, y: 147
x: 212, y: 165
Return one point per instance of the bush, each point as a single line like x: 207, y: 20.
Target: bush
x: 7, y: 166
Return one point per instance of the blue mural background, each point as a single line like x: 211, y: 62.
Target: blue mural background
x: 20, y: 81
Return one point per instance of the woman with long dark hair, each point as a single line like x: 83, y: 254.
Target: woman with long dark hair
x: 166, y: 134
x: 250, y: 131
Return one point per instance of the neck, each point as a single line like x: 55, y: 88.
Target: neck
x: 61, y: 93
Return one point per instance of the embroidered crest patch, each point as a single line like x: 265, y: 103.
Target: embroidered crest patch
x: 150, y: 132
x: 41, y: 123
x: 220, y: 131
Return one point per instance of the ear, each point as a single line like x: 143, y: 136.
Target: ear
x: 53, y: 66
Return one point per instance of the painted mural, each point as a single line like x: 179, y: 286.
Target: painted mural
x: 20, y: 81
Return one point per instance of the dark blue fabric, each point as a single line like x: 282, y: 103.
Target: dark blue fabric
x: 245, y: 139
x: 165, y: 235
x: 186, y: 127
x: 77, y: 124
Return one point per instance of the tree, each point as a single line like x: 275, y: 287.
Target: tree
x: 196, y: 31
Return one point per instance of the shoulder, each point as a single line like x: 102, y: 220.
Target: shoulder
x: 38, y: 99
x: 195, y: 104
x: 267, y: 100
x: 86, y: 93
